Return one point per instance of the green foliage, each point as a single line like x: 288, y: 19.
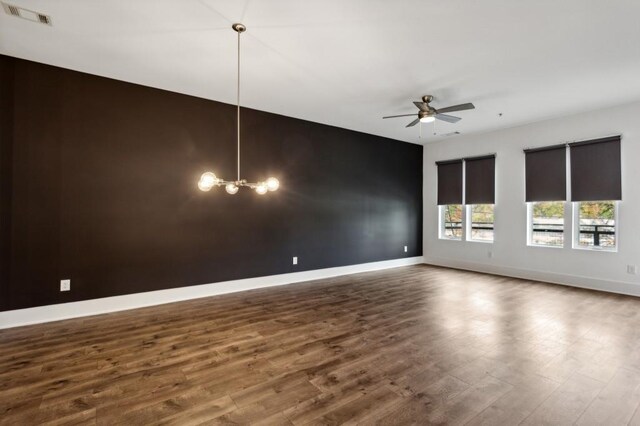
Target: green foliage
x: 588, y: 210
x: 597, y: 210
x: 549, y: 209
x: 482, y: 213
x: 453, y: 213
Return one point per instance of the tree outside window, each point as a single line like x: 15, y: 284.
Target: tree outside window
x: 452, y: 221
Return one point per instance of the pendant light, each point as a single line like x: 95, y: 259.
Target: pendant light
x: 208, y: 179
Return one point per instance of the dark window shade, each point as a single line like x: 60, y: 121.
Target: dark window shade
x: 449, y: 182
x: 595, y: 170
x: 480, y: 180
x: 546, y: 173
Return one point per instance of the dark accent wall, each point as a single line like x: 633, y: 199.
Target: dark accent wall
x: 98, y: 185
x: 6, y: 146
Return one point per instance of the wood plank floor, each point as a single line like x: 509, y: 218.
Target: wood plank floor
x: 415, y: 345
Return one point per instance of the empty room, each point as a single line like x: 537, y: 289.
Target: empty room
x: 323, y: 212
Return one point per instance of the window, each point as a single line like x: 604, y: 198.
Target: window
x: 451, y: 222
x: 480, y: 225
x: 466, y: 195
x: 595, y: 223
x: 546, y: 223
x: 594, y: 174
x: 450, y: 199
x: 546, y: 195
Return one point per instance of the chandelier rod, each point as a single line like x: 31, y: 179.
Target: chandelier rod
x: 238, y: 106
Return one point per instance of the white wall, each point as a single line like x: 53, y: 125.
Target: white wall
x: 511, y: 255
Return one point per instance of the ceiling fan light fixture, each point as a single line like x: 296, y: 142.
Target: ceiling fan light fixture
x: 428, y: 114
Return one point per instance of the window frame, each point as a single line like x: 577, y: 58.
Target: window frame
x: 530, y: 242
x: 468, y: 216
x: 575, y: 217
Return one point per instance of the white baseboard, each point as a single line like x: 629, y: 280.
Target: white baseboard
x: 85, y: 308
x: 611, y: 286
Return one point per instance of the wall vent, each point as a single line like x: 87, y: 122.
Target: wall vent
x: 27, y: 14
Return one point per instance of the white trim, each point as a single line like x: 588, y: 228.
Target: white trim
x: 105, y: 305
x: 610, y: 286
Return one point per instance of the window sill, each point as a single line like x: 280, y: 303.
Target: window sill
x: 480, y: 241
x: 543, y: 246
x: 596, y: 249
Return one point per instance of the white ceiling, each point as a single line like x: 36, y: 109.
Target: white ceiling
x: 349, y: 62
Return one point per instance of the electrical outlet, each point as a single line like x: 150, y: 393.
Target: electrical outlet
x: 405, y: 249
x: 632, y: 269
x: 490, y: 254
x: 65, y: 285
x: 295, y: 260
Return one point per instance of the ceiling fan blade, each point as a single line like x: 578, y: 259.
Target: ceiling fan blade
x: 421, y: 106
x: 454, y: 108
x: 448, y: 118
x: 403, y: 115
x: 413, y: 123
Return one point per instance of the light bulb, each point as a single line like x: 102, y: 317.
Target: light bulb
x: 207, y: 180
x: 427, y: 119
x: 204, y: 186
x: 272, y: 184
x: 231, y: 188
x: 261, y: 188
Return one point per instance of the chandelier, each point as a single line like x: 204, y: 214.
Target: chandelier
x: 208, y: 179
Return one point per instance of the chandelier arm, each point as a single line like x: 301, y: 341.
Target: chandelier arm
x: 241, y: 182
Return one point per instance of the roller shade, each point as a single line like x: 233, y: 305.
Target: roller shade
x: 595, y: 170
x: 449, y: 182
x: 480, y: 180
x: 546, y: 173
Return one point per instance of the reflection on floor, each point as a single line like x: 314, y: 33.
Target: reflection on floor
x: 418, y: 344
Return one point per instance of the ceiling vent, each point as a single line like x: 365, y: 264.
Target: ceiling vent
x: 450, y: 134
x: 27, y: 14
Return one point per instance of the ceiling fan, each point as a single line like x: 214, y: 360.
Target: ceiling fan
x: 427, y: 113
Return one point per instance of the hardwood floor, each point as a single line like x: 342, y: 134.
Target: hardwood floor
x: 415, y: 345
